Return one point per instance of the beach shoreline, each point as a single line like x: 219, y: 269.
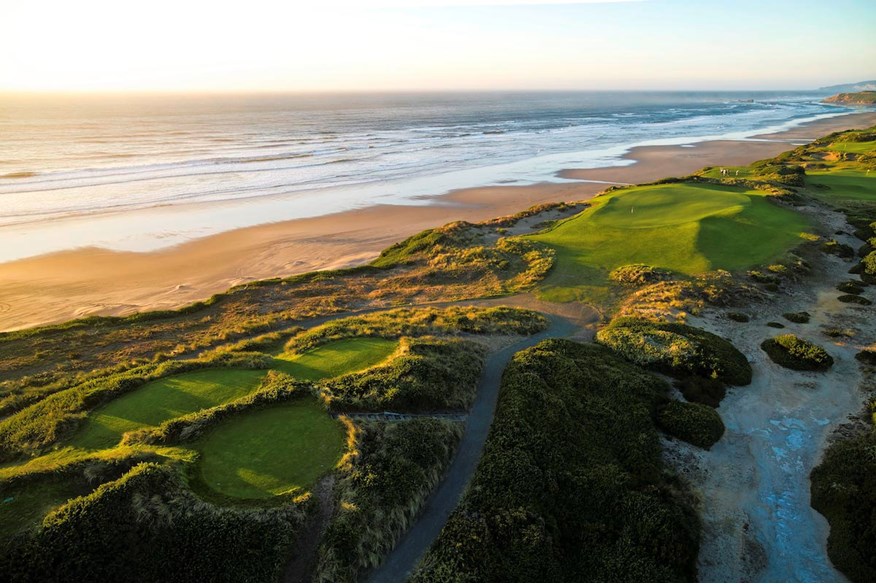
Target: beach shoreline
x: 61, y: 286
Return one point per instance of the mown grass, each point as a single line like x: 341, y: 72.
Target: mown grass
x: 335, y: 358
x: 271, y: 451
x: 162, y: 400
x: 23, y: 506
x: 842, y: 185
x: 682, y: 227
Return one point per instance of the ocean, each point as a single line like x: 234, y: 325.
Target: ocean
x: 145, y: 172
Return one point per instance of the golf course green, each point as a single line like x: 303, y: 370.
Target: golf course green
x: 162, y: 400
x: 268, y: 452
x: 335, y: 358
x: 683, y: 227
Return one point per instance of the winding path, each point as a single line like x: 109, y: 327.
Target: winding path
x: 443, y: 500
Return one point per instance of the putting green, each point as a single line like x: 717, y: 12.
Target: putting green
x: 164, y: 399
x: 854, y: 147
x: 268, y: 452
x: 336, y: 358
x: 687, y: 228
x: 843, y: 185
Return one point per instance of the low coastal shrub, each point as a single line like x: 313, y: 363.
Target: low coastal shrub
x: 676, y: 349
x: 638, y: 275
x: 844, y: 491
x: 854, y: 299
x: 776, y: 325
x: 850, y: 287
x: 738, y: 316
x: 795, y: 353
x: 838, y: 249
x: 381, y: 490
x: 702, y: 390
x: 798, y: 317
x: 426, y: 375
x: 147, y: 526
x: 697, y: 424
x: 571, y: 485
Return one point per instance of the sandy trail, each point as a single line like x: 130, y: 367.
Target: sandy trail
x: 754, y: 483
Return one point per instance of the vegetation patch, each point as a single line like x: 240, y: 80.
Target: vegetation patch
x: 638, y: 275
x: 676, y: 349
x: 850, y: 287
x: 147, y: 526
x: 417, y: 322
x: 279, y: 450
x: 426, y: 375
x: 381, y: 490
x: 697, y: 424
x: 844, y: 491
x: 795, y: 353
x: 776, y: 325
x: 854, y: 299
x: 572, y: 419
x: 702, y: 390
x: 798, y: 317
x: 738, y: 316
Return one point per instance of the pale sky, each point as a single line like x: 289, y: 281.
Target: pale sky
x: 349, y: 45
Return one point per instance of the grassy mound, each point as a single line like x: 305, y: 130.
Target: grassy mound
x: 335, y: 358
x: 795, y: 353
x: 163, y: 399
x: 427, y: 374
x: 697, y: 424
x: 571, y: 486
x: 844, y: 491
x: 676, y: 349
x: 268, y: 452
x: 683, y: 227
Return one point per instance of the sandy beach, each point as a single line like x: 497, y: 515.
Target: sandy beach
x: 61, y: 286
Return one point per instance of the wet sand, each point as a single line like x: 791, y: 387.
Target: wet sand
x: 61, y: 286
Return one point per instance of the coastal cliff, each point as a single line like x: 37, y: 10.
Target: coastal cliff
x: 856, y: 98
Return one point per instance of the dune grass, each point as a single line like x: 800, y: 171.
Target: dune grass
x: 162, y: 400
x: 335, y: 358
x: 271, y: 451
x: 682, y: 227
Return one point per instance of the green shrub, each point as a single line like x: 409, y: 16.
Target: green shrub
x: 702, y: 390
x: 777, y: 325
x: 867, y: 356
x: 571, y: 485
x: 795, y: 353
x: 798, y: 317
x: 676, y: 349
x: 695, y: 423
x: 738, y: 316
x: 838, y: 249
x: 844, y: 491
x: 427, y: 374
x: 850, y: 287
x: 854, y: 299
